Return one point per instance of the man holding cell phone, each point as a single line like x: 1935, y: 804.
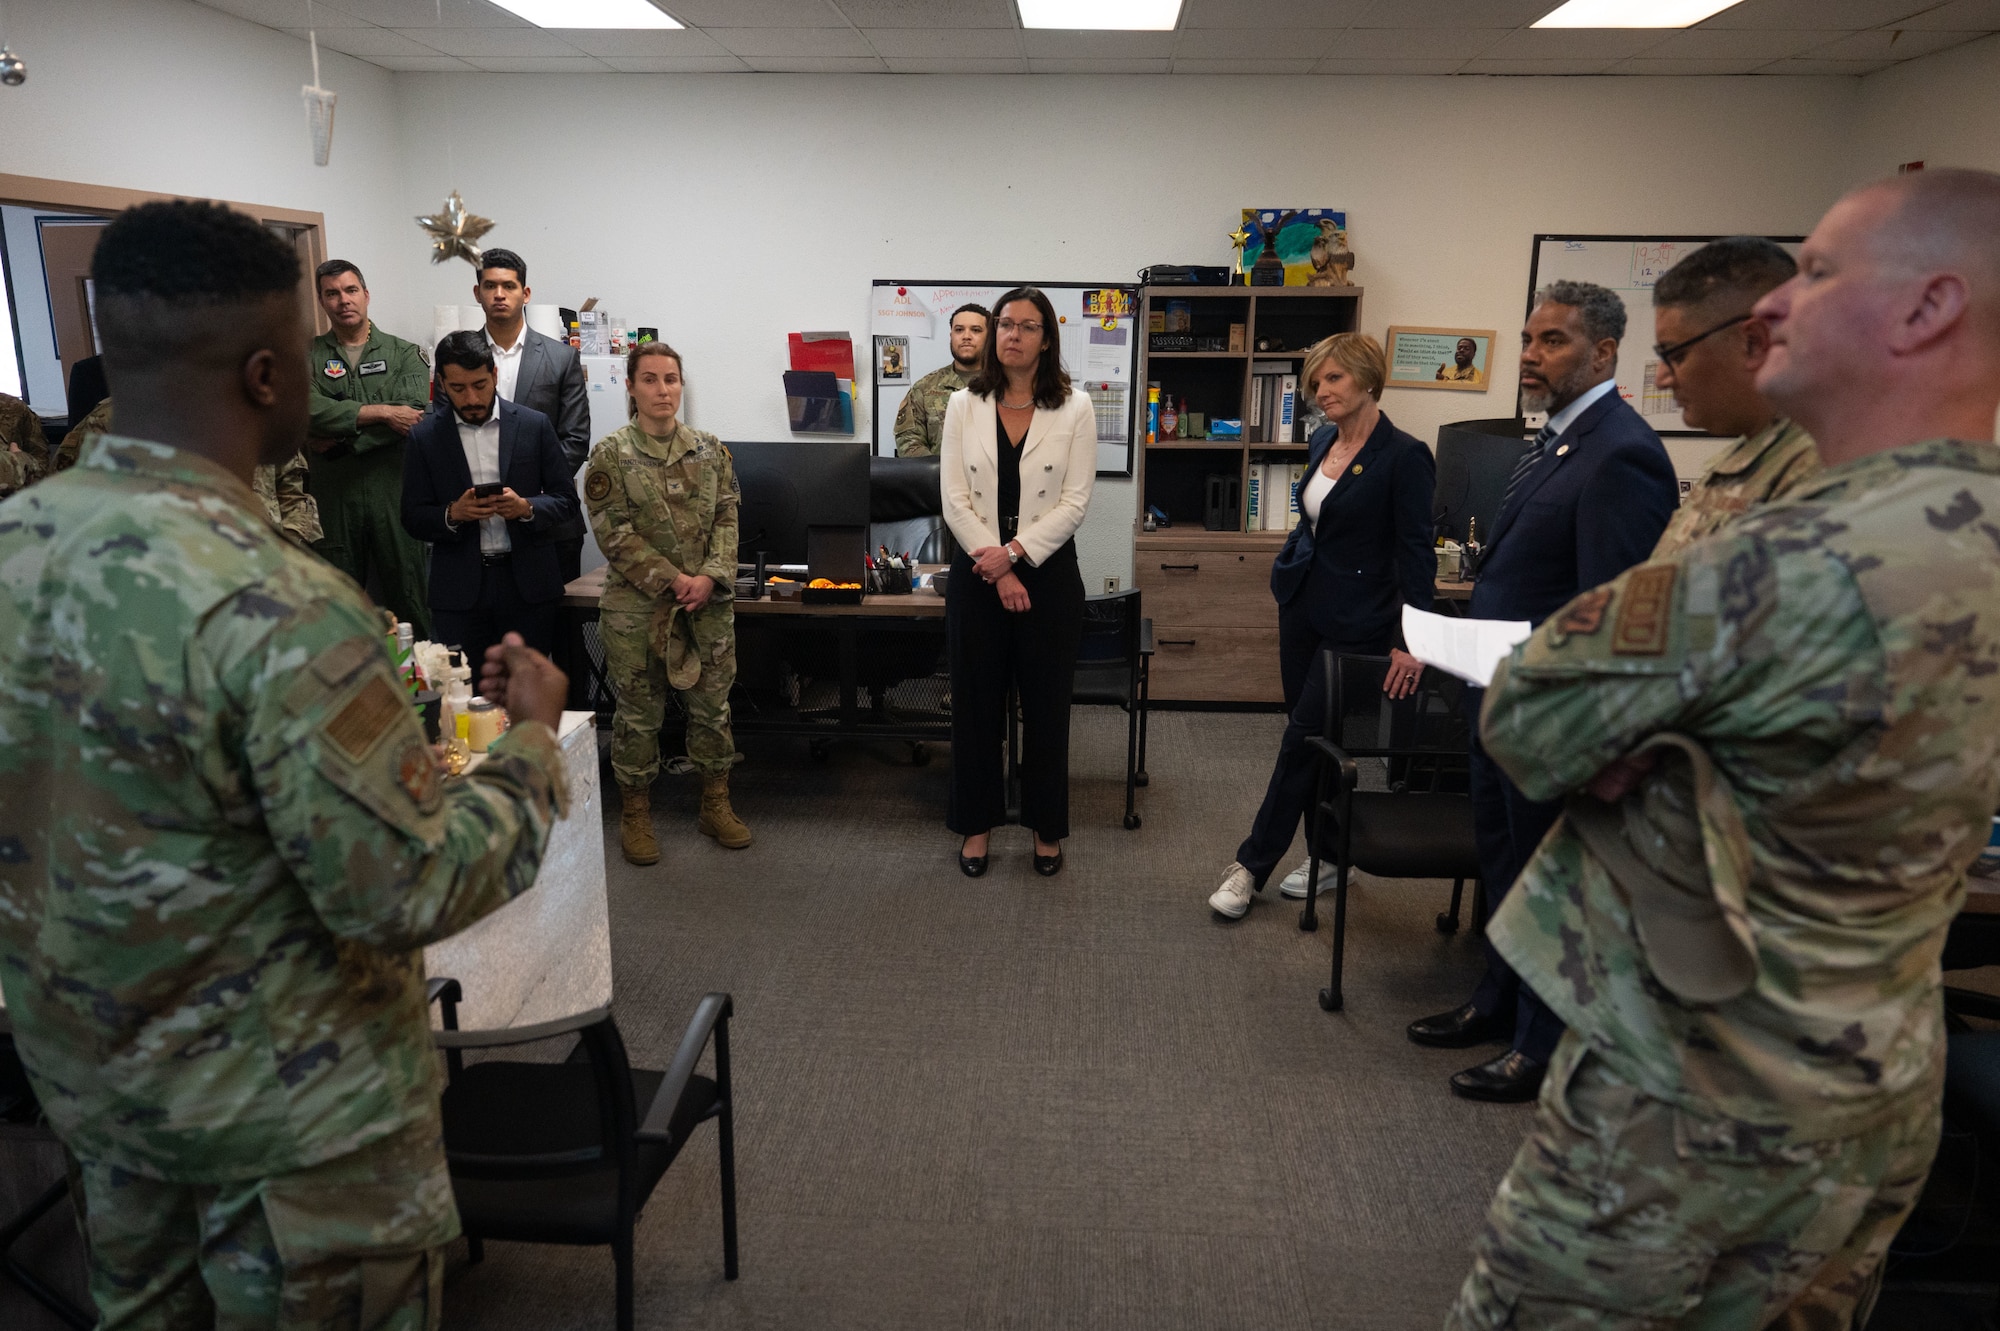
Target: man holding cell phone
x: 487, y: 483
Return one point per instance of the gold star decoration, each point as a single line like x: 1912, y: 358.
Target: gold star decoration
x: 1239, y: 238
x: 453, y: 230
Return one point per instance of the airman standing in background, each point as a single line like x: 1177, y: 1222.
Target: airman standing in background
x: 662, y: 498
x: 920, y: 420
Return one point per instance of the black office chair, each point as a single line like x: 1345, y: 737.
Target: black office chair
x: 1114, y: 668
x: 1421, y: 826
x: 21, y: 1120
x: 570, y: 1152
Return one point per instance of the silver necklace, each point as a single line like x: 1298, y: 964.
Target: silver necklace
x: 1018, y: 406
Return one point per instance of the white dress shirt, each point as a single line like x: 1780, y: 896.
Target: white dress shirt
x: 507, y: 360
x: 1315, y: 492
x: 482, y: 458
x: 1562, y: 420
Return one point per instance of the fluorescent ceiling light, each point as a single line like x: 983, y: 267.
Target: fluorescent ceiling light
x: 1101, y: 15
x: 590, y: 13
x: 1633, y: 13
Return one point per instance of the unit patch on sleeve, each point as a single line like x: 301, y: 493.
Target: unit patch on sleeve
x: 597, y: 488
x: 358, y: 727
x: 1585, y: 615
x: 1646, y: 615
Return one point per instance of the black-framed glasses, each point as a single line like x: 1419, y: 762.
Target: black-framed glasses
x: 1676, y: 353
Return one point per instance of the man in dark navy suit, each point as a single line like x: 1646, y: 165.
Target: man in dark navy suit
x: 1587, y: 500
x: 487, y: 483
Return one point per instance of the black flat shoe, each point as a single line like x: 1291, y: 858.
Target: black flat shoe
x: 1048, y: 866
x: 1460, y: 1028
x: 1511, y: 1079
x: 972, y: 866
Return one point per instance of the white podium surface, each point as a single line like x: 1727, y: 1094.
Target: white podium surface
x: 541, y: 964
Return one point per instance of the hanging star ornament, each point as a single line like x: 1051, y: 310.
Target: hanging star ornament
x: 453, y: 230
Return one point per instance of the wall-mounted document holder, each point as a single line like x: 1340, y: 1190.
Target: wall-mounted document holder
x: 818, y: 402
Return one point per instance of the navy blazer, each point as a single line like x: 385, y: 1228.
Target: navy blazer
x: 1594, y: 506
x: 1371, y: 552
x: 532, y: 464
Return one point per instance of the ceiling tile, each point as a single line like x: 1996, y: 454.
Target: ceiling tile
x: 1734, y: 43
x: 1646, y: 66
x: 286, y: 13
x: 645, y: 44
x: 496, y: 42
x: 755, y: 13
x: 430, y: 13
x: 419, y: 64
x: 1575, y: 43
x: 816, y: 43
x: 1270, y: 13
x: 1451, y: 13
x: 1890, y: 44
x: 946, y: 64
x: 1340, y: 66
x: 694, y: 64
x: 367, y: 43
x: 954, y: 42
x: 536, y: 64
x: 1106, y: 65
x: 1414, y: 43
x: 1063, y: 43
x: 1185, y: 65
x: 780, y: 64
x: 1556, y: 68
x: 1815, y: 13
x: 1959, y: 14
x: 1254, y: 43
x: 928, y: 13
x: 1810, y: 66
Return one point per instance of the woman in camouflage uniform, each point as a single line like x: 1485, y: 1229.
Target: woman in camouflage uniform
x: 662, y: 500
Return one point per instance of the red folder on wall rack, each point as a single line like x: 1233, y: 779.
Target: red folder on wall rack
x: 832, y: 353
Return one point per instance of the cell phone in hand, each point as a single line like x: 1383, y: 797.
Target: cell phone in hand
x: 488, y: 491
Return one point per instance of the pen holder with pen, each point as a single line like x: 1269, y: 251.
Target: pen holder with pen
x: 890, y: 581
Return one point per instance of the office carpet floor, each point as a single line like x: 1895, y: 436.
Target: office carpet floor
x: 1015, y: 1102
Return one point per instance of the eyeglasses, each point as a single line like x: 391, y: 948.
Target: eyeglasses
x: 1677, y: 353
x: 1025, y: 329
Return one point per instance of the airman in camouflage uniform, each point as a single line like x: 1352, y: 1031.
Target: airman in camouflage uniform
x: 223, y: 843
x: 24, y: 449
x: 1752, y: 471
x: 1781, y: 752
x: 96, y: 422
x: 920, y: 420
x: 661, y: 508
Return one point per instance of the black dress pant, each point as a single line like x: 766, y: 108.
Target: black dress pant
x: 569, y: 557
x: 499, y: 610
x: 991, y: 647
x: 1508, y: 826
x: 1295, y: 776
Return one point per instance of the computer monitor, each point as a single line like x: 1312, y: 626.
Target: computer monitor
x: 1474, y: 460
x: 804, y: 503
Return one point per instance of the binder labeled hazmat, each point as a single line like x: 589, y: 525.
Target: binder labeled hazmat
x: 1468, y: 648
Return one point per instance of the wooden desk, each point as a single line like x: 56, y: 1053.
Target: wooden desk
x: 923, y: 603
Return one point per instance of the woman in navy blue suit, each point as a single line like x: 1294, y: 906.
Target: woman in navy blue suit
x: 1362, y: 550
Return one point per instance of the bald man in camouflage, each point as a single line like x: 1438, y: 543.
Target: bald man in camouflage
x: 1780, y: 749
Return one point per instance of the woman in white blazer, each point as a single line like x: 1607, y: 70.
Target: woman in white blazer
x: 1017, y: 467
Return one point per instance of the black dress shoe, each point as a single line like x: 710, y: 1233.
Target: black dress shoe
x: 1460, y: 1028
x: 972, y: 866
x: 1048, y: 866
x: 1511, y: 1079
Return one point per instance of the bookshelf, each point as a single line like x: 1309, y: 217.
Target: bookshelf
x: 1207, y: 590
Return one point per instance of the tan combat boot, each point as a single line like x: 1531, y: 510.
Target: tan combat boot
x: 717, y: 818
x: 635, y: 825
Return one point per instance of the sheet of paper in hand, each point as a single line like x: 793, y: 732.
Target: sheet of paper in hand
x: 1468, y: 648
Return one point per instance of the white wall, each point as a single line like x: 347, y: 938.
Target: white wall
x: 1942, y: 110
x: 729, y: 210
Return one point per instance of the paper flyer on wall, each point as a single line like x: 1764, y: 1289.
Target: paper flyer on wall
x: 1468, y: 648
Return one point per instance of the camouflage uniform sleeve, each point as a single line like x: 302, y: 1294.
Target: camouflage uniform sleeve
x: 1668, y: 645
x: 349, y: 787
x: 19, y: 469
x: 298, y: 511
x: 722, y: 538
x: 910, y: 440
x: 604, y: 495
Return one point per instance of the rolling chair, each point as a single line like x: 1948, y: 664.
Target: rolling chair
x: 1114, y: 668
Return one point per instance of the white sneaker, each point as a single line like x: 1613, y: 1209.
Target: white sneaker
x: 1294, y: 885
x: 1232, y: 899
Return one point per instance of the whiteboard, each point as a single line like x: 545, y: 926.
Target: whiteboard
x: 1628, y: 265
x: 1100, y: 352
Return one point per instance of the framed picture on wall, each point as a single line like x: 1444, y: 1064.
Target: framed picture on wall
x: 892, y: 360
x: 1453, y: 358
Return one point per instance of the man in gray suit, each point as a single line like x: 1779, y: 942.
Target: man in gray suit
x: 537, y: 372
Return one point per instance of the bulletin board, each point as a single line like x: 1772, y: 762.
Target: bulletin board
x: 911, y: 326
x: 1628, y: 265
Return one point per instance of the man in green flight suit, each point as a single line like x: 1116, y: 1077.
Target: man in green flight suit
x: 368, y: 388
x: 1781, y: 751
x: 920, y: 420
x: 223, y: 837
